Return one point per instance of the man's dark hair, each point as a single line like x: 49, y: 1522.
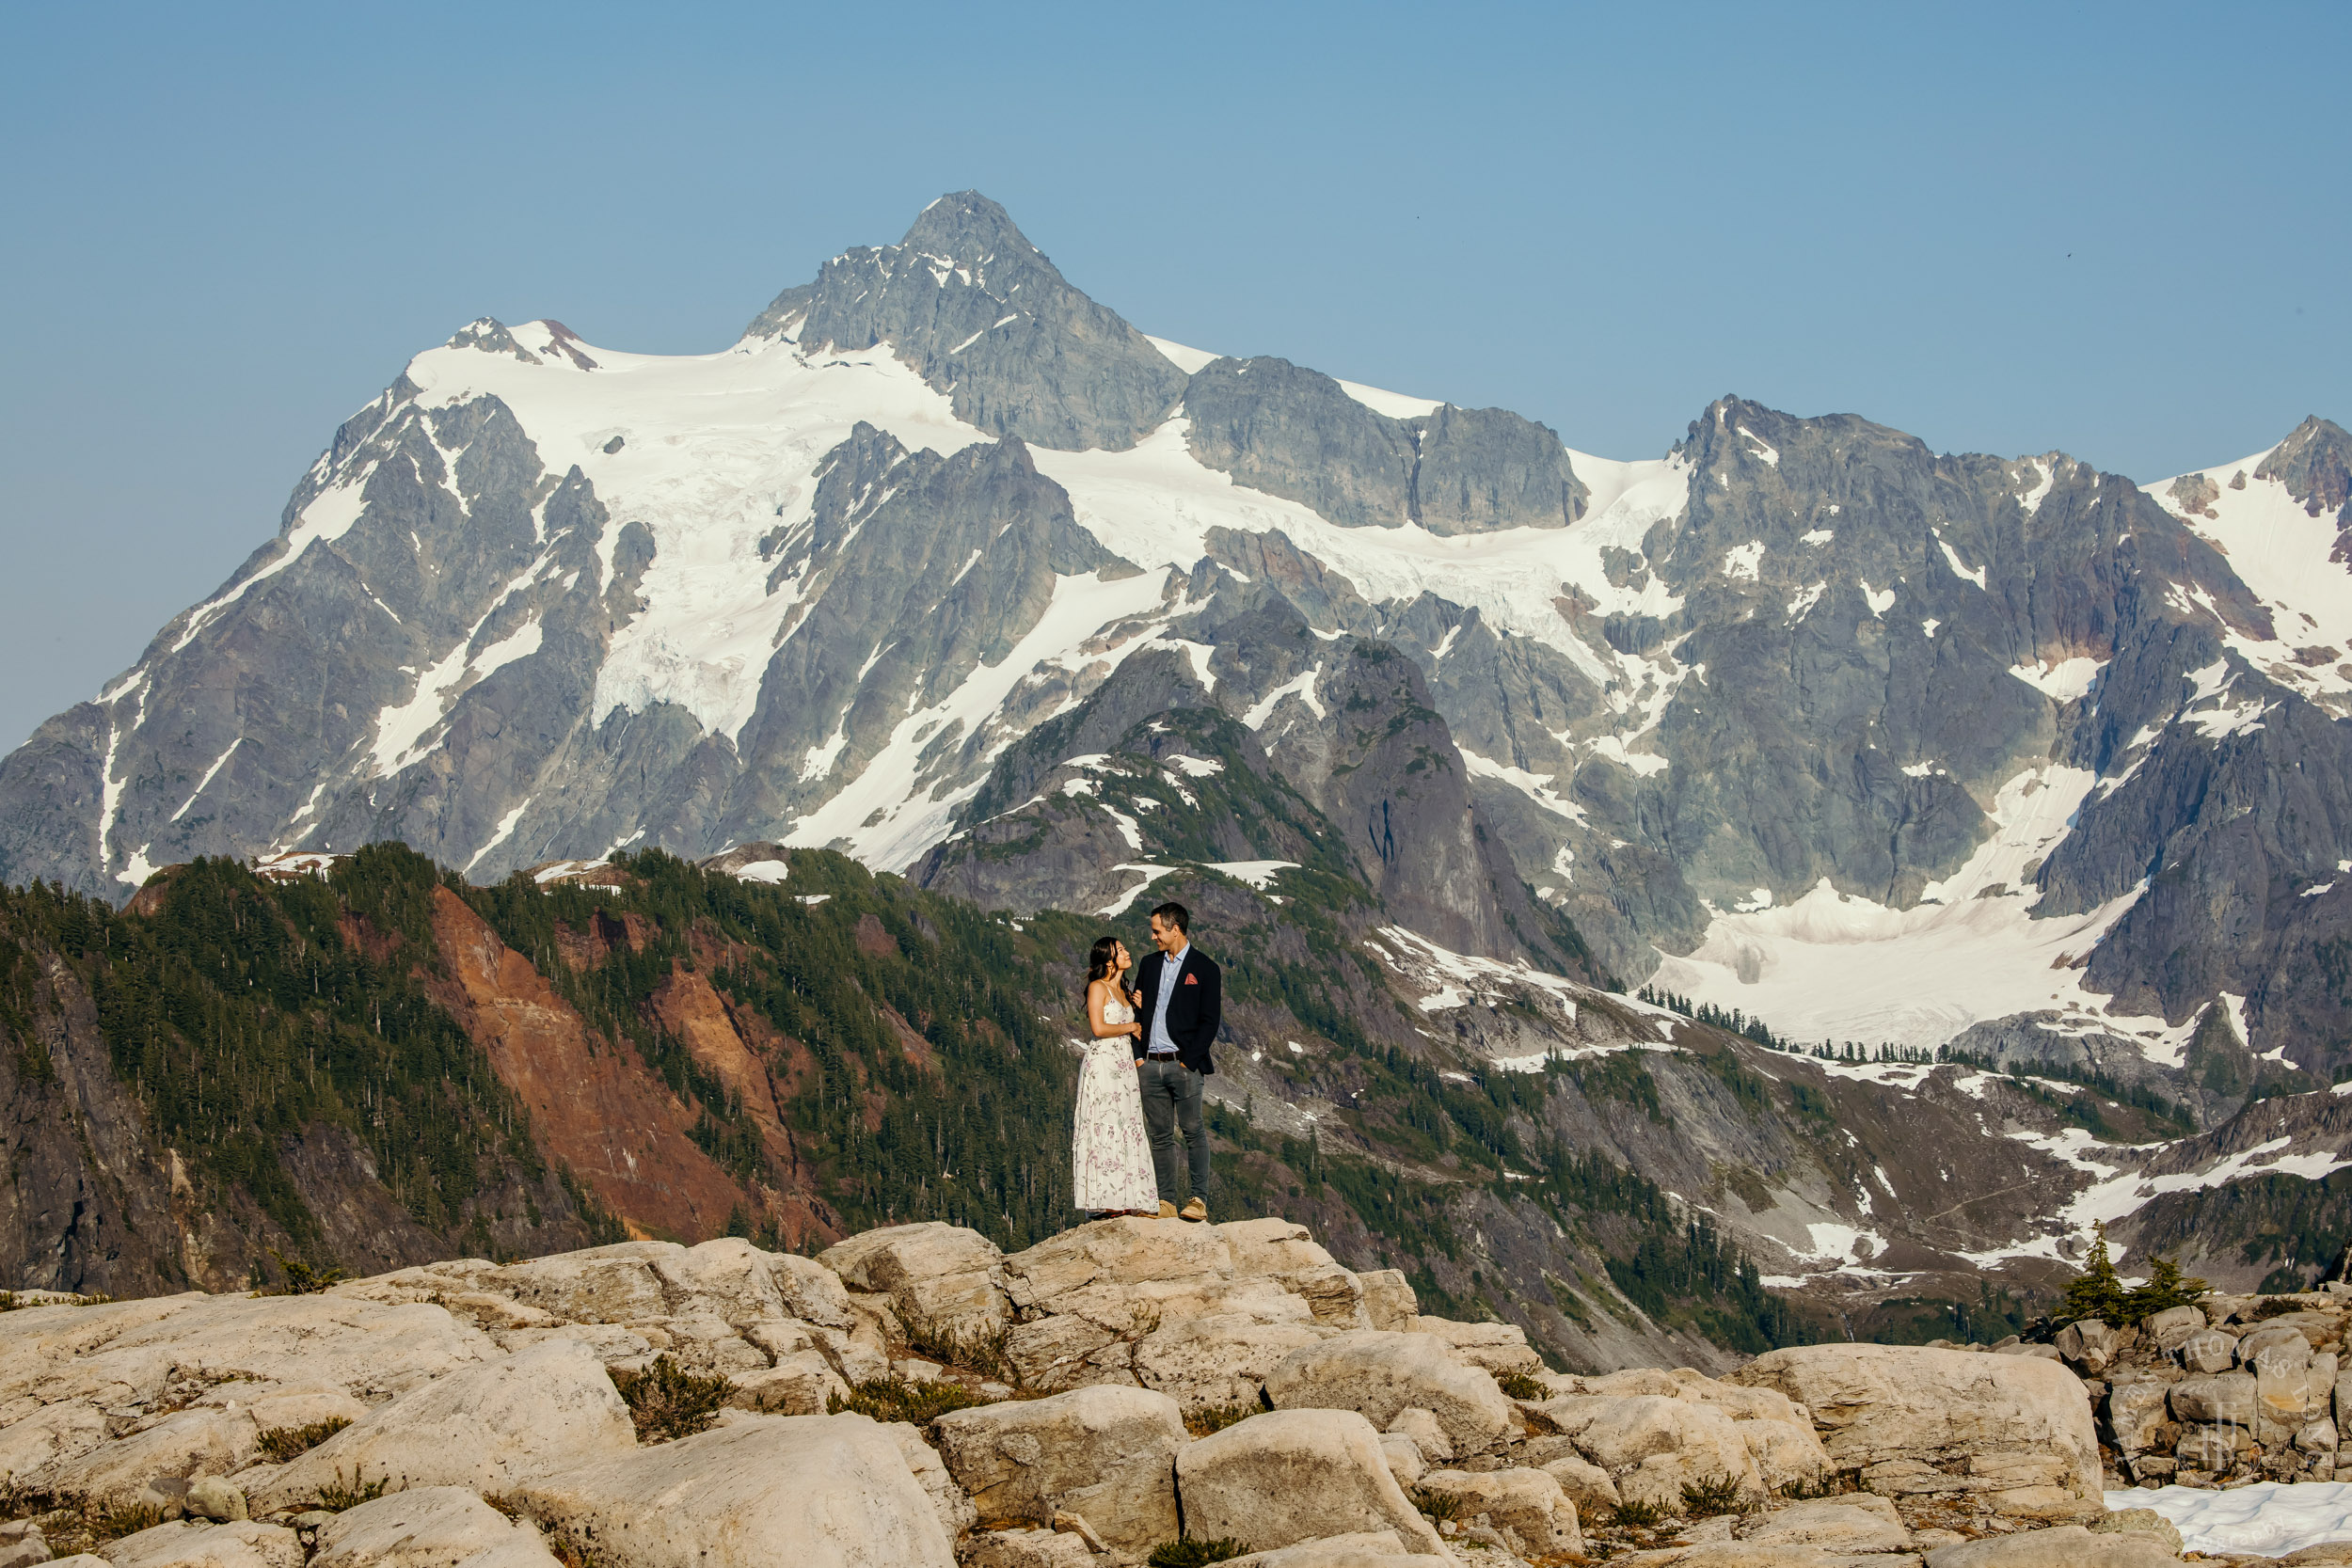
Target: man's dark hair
x: 1176, y: 915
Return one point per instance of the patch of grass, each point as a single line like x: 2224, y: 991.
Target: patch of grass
x: 898, y: 1398
x: 283, y: 1443
x: 337, y: 1494
x: 1636, y: 1515
x: 112, y: 1524
x: 1436, y: 1507
x: 1216, y: 1417
x: 1193, y: 1551
x: 1716, y: 1494
x: 667, y: 1401
x: 2274, y: 1306
x: 1519, y: 1385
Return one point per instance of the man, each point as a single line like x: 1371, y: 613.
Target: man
x: 1183, y: 1000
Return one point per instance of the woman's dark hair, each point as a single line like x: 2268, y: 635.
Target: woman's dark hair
x: 1099, y: 961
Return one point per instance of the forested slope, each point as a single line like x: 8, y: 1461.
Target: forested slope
x: 385, y: 1065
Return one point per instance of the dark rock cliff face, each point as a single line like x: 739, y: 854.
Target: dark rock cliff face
x: 1153, y: 772
x: 1293, y: 432
x: 915, y: 569
x: 1296, y: 433
x: 466, y: 559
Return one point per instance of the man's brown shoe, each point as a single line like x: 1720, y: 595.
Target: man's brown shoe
x: 1167, y: 1209
x: 1196, y: 1209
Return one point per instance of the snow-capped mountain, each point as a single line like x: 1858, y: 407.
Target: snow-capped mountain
x: 1799, y: 717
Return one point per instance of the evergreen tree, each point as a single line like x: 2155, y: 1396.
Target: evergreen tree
x: 2097, y: 1291
x: 2166, y: 1288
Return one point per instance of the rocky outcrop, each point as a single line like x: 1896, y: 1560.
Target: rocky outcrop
x: 1105, y: 1452
x: 2232, y: 1390
x: 488, y: 1433
x: 2012, y: 1433
x: 1381, y: 1375
x: 1293, y: 1475
x: 430, y: 1527
x: 542, y: 1408
x: 762, y: 1490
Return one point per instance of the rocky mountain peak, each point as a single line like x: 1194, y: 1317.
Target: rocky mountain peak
x: 970, y: 304
x: 966, y: 227
x: 2315, y: 465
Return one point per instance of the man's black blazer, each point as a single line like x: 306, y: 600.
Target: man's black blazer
x: 1195, y: 1008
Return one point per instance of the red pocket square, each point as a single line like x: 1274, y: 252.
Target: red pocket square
x: 1192, y: 979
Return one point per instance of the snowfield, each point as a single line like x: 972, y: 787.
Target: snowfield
x: 1834, y: 966
x: 2265, y: 1519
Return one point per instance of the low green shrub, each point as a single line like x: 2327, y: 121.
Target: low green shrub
x: 337, y: 1494
x: 1636, y: 1515
x: 112, y: 1524
x: 1713, y: 1495
x: 283, y: 1443
x: 966, y: 1349
x: 899, y: 1398
x: 300, y: 1279
x: 1216, y: 1417
x: 667, y: 1401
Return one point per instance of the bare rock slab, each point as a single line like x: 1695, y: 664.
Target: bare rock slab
x: 2067, y: 1547
x: 1106, y: 1452
x: 484, y: 1429
x: 1857, y: 1522
x: 432, y: 1527
x: 187, y: 1443
x: 180, y: 1544
x: 1115, y: 1252
x: 1379, y: 1374
x: 762, y: 1491
x: 1202, y: 1363
x: 1296, y: 1475
x: 1872, y: 1404
x: 1365, y: 1549
x: 1528, y: 1505
x: 933, y: 1273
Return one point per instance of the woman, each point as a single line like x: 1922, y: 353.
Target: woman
x: 1112, y: 1159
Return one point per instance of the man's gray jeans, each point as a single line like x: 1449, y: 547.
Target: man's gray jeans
x: 1171, y: 1099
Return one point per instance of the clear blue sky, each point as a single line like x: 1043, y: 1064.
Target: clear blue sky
x: 2120, y: 231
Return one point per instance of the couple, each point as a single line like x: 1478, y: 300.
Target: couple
x: 1145, y: 1068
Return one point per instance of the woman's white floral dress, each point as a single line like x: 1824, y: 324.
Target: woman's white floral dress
x: 1112, y: 1161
